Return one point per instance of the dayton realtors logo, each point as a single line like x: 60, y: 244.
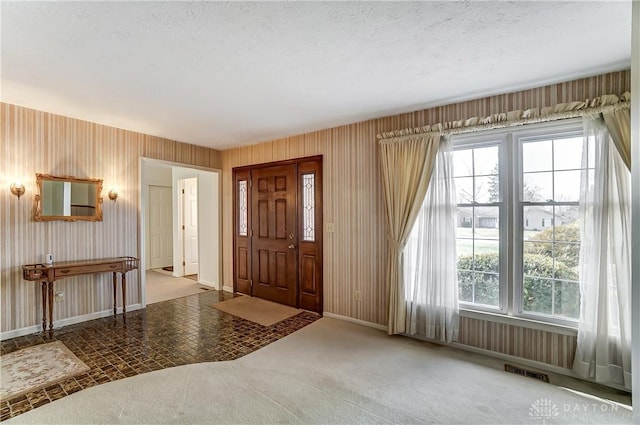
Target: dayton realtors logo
x: 543, y: 410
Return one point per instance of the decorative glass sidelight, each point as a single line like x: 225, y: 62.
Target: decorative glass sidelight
x: 243, y: 219
x: 308, y: 207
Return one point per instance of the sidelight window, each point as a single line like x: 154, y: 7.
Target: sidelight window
x: 243, y: 217
x: 308, y: 207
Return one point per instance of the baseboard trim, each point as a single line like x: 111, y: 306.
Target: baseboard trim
x: 207, y: 283
x: 357, y: 321
x: 228, y: 289
x: 65, y: 322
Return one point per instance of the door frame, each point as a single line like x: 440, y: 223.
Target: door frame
x: 244, y: 173
x: 142, y: 230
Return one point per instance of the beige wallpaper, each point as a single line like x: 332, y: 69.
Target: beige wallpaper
x: 33, y: 141
x: 531, y: 344
x: 37, y: 142
x: 354, y: 255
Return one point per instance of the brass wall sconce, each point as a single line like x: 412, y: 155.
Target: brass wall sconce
x: 113, y: 194
x: 17, y: 189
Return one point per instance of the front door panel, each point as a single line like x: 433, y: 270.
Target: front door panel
x: 274, y: 241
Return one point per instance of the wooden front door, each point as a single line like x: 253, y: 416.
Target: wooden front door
x: 274, y: 224
x: 278, y: 232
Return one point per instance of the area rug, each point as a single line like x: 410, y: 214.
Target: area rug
x: 36, y: 367
x: 256, y: 310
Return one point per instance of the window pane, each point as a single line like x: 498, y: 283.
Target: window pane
x: 462, y: 163
x: 465, y: 286
x: 487, y: 256
x: 464, y: 231
x: 567, y: 299
x: 485, y: 161
x: 309, y: 207
x: 486, y: 222
x: 487, y: 289
x: 537, y: 295
x: 536, y: 219
x: 537, y: 187
x: 464, y: 190
x: 566, y: 257
x: 568, y: 215
x: 243, y: 222
x: 487, y: 189
x: 477, y: 228
x: 566, y: 231
x: 567, y: 153
x: 566, y: 186
x: 537, y: 156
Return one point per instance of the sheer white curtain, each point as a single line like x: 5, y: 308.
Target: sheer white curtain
x: 604, y: 332
x: 431, y: 281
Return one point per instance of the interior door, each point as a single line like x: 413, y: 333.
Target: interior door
x: 160, y: 227
x: 190, y: 225
x: 274, y: 224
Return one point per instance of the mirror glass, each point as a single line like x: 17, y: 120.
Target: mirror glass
x: 68, y: 198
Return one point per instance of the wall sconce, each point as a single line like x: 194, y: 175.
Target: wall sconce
x: 17, y: 189
x: 113, y: 194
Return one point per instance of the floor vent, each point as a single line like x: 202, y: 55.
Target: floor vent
x: 528, y: 373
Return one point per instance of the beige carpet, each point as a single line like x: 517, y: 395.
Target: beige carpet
x: 334, y: 372
x: 162, y: 286
x: 256, y: 310
x: 37, y: 367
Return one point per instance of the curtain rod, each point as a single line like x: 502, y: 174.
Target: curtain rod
x: 505, y: 124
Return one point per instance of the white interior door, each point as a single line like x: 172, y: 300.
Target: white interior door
x: 160, y: 224
x: 190, y: 225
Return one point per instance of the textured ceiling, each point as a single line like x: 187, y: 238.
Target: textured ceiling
x: 228, y: 74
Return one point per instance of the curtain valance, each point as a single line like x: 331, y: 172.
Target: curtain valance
x: 604, y: 103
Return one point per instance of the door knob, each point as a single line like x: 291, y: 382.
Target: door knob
x: 292, y: 246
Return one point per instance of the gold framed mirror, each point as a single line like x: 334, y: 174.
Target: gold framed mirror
x: 67, y: 198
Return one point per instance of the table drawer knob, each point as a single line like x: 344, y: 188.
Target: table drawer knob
x: 65, y: 271
x: 113, y: 266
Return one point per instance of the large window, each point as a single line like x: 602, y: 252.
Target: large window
x: 518, y: 233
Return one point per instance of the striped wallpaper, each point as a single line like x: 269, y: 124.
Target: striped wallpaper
x: 542, y: 346
x: 37, y: 142
x: 354, y: 255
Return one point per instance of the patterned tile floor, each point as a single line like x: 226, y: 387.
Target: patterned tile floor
x: 170, y: 333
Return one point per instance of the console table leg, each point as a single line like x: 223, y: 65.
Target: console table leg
x: 115, y: 290
x: 44, y: 306
x: 124, y: 293
x: 50, y: 285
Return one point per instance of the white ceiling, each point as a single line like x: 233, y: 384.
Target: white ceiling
x: 228, y: 74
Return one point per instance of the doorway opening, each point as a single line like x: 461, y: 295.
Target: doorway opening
x: 180, y: 230
x: 277, y: 241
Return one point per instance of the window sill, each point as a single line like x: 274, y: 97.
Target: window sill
x: 519, y: 321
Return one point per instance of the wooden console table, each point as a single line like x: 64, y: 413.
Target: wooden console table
x: 47, y: 274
